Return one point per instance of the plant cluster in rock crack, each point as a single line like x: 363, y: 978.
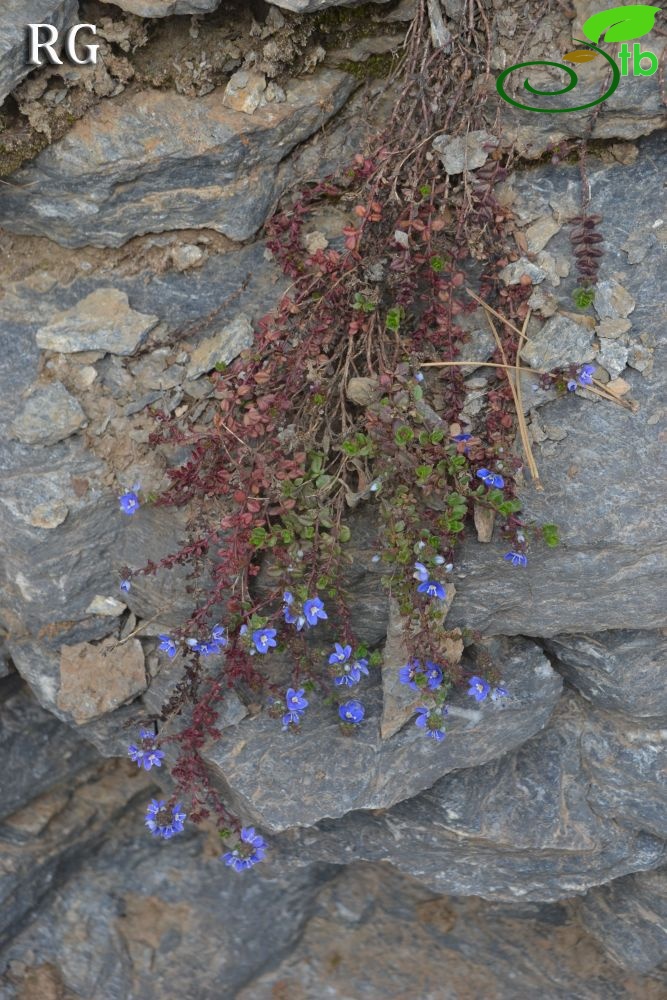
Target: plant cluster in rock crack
x: 334, y: 409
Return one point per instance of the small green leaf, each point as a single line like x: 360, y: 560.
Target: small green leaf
x: 258, y: 537
x: 621, y: 24
x: 344, y: 533
x: 404, y: 435
x: 550, y: 535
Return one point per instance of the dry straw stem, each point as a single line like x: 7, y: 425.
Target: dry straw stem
x: 598, y: 388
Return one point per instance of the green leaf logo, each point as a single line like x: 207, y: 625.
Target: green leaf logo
x: 621, y: 24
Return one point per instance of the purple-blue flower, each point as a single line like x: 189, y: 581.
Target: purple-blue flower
x: 219, y: 635
x: 430, y: 719
x: 491, y: 478
x: 295, y: 700
x: 479, y: 688
x: 408, y: 674
x: 352, y: 673
x: 341, y: 653
x: 314, y: 611
x: 248, y: 853
x: 420, y: 573
x: 125, y: 585
x: 352, y: 712
x: 433, y: 675
x: 419, y: 376
x: 499, y: 692
x: 462, y: 437
x: 586, y: 374
x: 432, y: 589
x: 145, y: 754
x: 516, y: 558
x: 162, y: 821
x: 264, y: 639
x: 129, y: 502
x: 167, y: 646
x: 571, y: 385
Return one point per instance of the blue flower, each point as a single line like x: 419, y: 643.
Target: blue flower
x: 409, y: 672
x: 479, y: 688
x: 125, y: 585
x: 145, y: 754
x: 516, y: 558
x: 462, y: 437
x: 250, y: 852
x: 420, y: 573
x: 439, y: 560
x: 352, y: 673
x: 491, y: 478
x: 163, y: 822
x: 433, y: 675
x: 499, y: 692
x: 586, y: 374
x: 314, y: 610
x: 430, y: 719
x: 207, y: 648
x: 352, y: 712
x: 419, y: 376
x: 341, y: 654
x: 295, y: 700
x: 432, y: 589
x: 219, y: 634
x: 167, y: 646
x: 571, y: 385
x: 375, y: 486
x: 288, y: 597
x: 129, y: 502
x: 264, y: 639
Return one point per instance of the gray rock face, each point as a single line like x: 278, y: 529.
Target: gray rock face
x: 167, y: 8
x: 50, y: 414
x: 15, y: 15
x: 136, y: 913
x: 281, y: 780
x: 620, y: 670
x: 156, y: 160
x: 629, y: 919
x: 627, y: 761
x: 37, y: 750
x: 312, y: 6
x: 377, y: 933
x: 525, y: 826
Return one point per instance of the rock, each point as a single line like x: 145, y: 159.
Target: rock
x: 559, y: 342
x: 540, y: 232
x: 626, y: 759
x: 464, y: 153
x: 167, y: 8
x: 619, y: 670
x: 153, y: 161
x: 522, y: 268
x: 610, y: 329
x: 629, y: 919
x: 221, y: 348
x: 244, y: 91
x: 525, y: 826
x: 108, y: 606
x: 138, y: 912
x: 258, y: 762
x: 312, y: 6
x: 50, y: 414
x: 612, y: 356
x: 612, y: 300
x: 37, y: 750
x: 103, y: 321
x: 186, y: 256
x: 378, y: 933
x: 362, y: 391
x: 95, y: 679
x: 15, y: 15
x: 51, y: 837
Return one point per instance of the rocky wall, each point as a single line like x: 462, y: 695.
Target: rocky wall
x: 526, y: 854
